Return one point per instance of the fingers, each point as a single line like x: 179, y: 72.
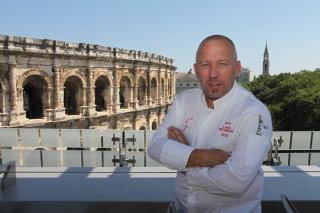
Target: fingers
x: 176, y: 134
x: 173, y: 132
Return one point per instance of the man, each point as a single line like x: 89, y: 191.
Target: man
x: 216, y: 137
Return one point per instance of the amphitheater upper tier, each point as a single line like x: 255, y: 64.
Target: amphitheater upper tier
x: 50, y: 83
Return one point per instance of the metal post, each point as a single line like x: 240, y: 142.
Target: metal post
x: 102, y: 152
x: 310, y: 147
x: 81, y: 145
x: 41, y: 158
x: 290, y: 146
x: 145, y: 147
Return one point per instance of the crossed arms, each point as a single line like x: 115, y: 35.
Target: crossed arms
x: 198, y: 157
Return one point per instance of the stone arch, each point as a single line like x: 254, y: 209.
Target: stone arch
x: 102, y: 92
x: 73, y: 95
x: 69, y: 73
x: 153, y: 90
x: 35, y: 96
x: 154, y: 125
x: 142, y: 91
x: 125, y: 92
x: 142, y: 127
x: 40, y: 73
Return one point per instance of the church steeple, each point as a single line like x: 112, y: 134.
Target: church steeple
x: 266, y: 61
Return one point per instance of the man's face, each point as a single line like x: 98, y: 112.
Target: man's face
x: 216, y: 68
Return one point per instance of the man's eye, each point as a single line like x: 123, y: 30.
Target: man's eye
x: 224, y: 64
x: 204, y: 65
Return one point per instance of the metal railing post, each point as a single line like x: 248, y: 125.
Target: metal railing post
x: 290, y: 147
x: 310, y: 147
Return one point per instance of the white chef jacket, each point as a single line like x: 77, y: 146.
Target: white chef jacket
x: 238, y: 124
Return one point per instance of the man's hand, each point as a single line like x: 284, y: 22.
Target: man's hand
x: 198, y: 157
x: 207, y: 157
x: 175, y: 134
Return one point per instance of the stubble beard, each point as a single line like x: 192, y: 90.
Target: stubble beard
x: 212, y: 90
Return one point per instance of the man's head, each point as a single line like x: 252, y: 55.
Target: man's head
x: 216, y: 66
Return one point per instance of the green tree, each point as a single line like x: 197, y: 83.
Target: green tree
x: 293, y: 99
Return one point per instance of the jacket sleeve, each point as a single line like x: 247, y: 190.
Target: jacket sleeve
x: 166, y: 151
x: 238, y: 172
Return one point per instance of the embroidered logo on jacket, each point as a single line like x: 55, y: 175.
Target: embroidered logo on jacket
x: 226, y: 129
x: 260, y: 126
x: 186, y: 124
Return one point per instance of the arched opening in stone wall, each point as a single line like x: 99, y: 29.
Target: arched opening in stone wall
x: 154, y: 125
x: 125, y: 92
x: 35, y: 96
x: 101, y: 93
x: 153, y: 90
x: 1, y: 98
x: 73, y: 95
x: 162, y: 88
x: 142, y: 128
x: 142, y: 89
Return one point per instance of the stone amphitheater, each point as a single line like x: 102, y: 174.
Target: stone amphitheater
x: 56, y: 84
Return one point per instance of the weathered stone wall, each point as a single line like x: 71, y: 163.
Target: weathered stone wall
x: 53, y: 83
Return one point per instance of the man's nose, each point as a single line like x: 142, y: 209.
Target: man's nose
x: 213, y: 72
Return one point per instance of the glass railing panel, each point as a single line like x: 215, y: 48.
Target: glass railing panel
x: 139, y: 158
x: 285, y: 137
x: 109, y: 156
x: 9, y: 137
x: 52, y: 158
x: 301, y: 140
x: 139, y: 137
x: 72, y: 158
x: 70, y: 137
x: 315, y: 159
x: 298, y: 159
x: 108, y: 135
x: 50, y: 138
x: 31, y: 158
x: 316, y: 140
x: 8, y: 155
x: 91, y: 138
x: 283, y: 159
x: 92, y: 158
x: 29, y: 137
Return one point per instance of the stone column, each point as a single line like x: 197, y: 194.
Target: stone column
x: 159, y: 91
x: 166, y: 91
x: 149, y: 98
x: 173, y: 83
x: 135, y: 89
x: 13, y: 96
x: 90, y: 93
x: 116, y: 89
x: 59, y: 110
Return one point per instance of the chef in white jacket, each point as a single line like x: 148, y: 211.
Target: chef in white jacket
x: 216, y: 136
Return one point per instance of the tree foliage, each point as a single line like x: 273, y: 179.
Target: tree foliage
x: 293, y: 99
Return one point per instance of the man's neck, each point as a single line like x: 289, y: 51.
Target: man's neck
x: 209, y: 102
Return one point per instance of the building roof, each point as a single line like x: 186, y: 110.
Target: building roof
x: 183, y: 77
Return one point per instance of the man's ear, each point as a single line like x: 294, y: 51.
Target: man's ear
x: 195, y: 70
x: 238, y: 68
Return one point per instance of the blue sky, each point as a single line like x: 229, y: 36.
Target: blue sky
x: 174, y: 28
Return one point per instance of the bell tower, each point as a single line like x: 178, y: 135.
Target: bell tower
x: 266, y: 61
